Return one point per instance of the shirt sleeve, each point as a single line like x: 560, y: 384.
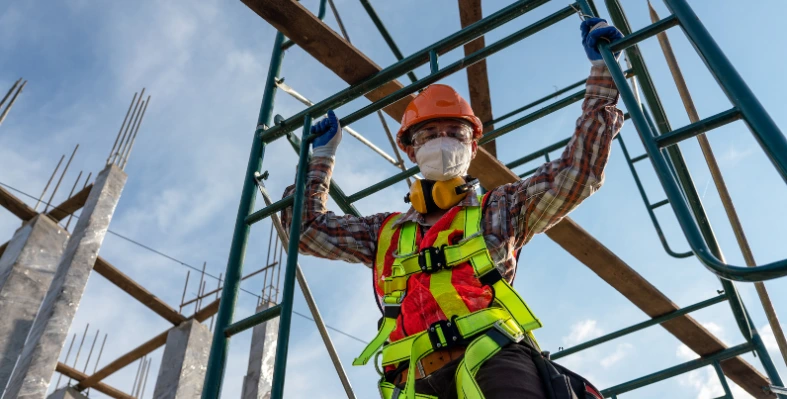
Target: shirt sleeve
x: 323, y: 233
x: 533, y: 205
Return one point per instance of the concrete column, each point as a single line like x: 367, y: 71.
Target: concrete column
x: 262, y: 356
x: 26, y: 270
x: 67, y: 393
x: 38, y: 359
x: 184, y: 363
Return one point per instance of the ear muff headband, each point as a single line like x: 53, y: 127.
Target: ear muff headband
x: 429, y: 195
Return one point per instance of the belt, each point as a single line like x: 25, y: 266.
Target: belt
x: 431, y: 363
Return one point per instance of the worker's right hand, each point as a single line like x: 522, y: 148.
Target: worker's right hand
x: 595, y: 31
x: 330, y: 135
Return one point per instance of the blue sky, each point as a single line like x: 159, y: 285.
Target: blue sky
x: 204, y: 63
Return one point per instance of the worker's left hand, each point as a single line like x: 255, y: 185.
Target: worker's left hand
x: 331, y: 134
x: 595, y: 31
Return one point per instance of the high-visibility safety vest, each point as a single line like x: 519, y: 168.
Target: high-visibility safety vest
x: 441, y: 291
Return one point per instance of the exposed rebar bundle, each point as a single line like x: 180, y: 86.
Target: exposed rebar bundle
x: 13, y: 100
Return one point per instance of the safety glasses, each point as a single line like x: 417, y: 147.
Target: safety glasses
x: 442, y: 128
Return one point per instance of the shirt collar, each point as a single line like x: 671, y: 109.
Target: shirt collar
x: 414, y: 216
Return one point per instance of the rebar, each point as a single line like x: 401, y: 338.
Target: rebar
x: 117, y: 138
x: 218, y: 287
x: 76, y: 358
x: 721, y: 186
x: 65, y: 361
x: 87, y: 180
x: 11, y: 90
x: 11, y: 104
x: 126, y: 139
x: 134, y: 137
x: 141, y: 394
x: 136, y: 377
x: 185, y: 287
x: 100, y: 351
x: 90, y: 354
x: 199, y: 286
x: 252, y: 274
x: 200, y: 295
x: 60, y: 180
x: 115, y: 154
x: 145, y: 365
x: 74, y: 187
x: 54, y: 172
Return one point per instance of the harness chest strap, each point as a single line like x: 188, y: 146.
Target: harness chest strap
x: 503, y: 325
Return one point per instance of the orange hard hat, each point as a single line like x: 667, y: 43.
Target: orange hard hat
x: 437, y: 101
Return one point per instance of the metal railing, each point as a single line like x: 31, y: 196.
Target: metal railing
x: 665, y: 166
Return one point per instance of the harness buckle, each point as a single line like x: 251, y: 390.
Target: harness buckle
x: 514, y: 334
x: 432, y: 259
x: 444, y: 334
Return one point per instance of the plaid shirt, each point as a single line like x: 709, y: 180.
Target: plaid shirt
x: 513, y: 213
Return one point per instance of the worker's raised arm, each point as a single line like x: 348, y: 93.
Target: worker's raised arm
x: 539, y: 202
x: 323, y: 233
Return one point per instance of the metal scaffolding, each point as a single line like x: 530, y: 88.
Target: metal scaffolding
x: 390, y: 96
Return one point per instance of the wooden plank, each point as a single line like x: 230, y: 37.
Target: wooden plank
x: 653, y: 302
x: 142, y: 350
x: 350, y: 64
x: 136, y: 291
x: 15, y: 205
x: 318, y: 39
x: 477, y: 76
x: 74, y: 374
x: 71, y: 205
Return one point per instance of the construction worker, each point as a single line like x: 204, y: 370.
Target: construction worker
x: 442, y: 271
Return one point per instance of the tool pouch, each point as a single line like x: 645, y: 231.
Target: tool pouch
x: 562, y: 383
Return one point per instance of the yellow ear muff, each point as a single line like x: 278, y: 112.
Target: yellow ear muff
x: 426, y: 195
x: 444, y: 193
x: 416, y: 196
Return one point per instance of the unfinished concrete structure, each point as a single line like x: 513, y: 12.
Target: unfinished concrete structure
x: 184, y: 362
x: 38, y: 358
x: 26, y: 269
x: 259, y: 379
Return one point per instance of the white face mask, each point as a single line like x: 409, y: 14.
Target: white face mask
x: 443, y: 158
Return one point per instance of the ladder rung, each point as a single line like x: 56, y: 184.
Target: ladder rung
x: 269, y: 210
x: 659, y: 204
x: 639, y: 158
x: 696, y: 128
x: 252, y: 321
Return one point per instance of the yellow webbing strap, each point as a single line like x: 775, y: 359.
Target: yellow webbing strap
x: 476, y: 354
x: 391, y: 300
x: 506, y: 296
x: 422, y: 346
x: 387, y: 391
x: 389, y: 324
x: 468, y: 325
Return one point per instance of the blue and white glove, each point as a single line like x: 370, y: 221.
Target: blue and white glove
x: 331, y: 136
x: 595, y: 31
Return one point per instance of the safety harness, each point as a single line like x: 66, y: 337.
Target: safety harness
x: 484, y: 332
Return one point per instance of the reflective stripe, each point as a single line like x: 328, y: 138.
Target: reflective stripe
x: 446, y: 296
x: 387, y: 232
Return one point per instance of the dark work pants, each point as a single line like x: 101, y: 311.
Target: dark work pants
x: 510, y: 374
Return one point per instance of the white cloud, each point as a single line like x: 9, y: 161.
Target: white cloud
x: 581, y: 332
x: 621, y: 351
x: 766, y: 332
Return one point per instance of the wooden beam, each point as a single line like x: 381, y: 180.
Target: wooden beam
x: 15, y: 205
x: 349, y: 63
x: 326, y: 46
x: 71, y: 205
x: 477, y: 76
x: 136, y: 291
x: 142, y: 350
x: 653, y: 302
x: 74, y: 374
